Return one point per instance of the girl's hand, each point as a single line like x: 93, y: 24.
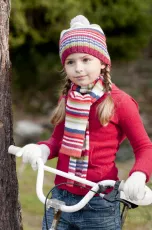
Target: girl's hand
x: 134, y: 187
x: 31, y: 152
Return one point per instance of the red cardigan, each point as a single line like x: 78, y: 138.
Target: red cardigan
x: 105, y: 142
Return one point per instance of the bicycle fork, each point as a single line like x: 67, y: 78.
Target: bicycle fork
x: 55, y: 204
x: 55, y: 220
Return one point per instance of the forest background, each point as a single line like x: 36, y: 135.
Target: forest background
x: 35, y: 27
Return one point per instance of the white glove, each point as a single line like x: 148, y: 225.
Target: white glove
x: 31, y: 152
x: 134, y: 187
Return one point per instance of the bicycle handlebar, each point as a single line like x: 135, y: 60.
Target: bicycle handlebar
x: 95, y: 186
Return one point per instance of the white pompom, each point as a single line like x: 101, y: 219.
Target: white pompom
x: 79, y: 20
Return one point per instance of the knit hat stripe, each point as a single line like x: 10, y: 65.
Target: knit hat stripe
x: 82, y: 37
x: 82, y: 43
x: 80, y: 33
x: 83, y: 40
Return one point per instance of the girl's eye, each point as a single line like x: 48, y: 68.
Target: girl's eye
x: 86, y: 59
x: 70, y: 62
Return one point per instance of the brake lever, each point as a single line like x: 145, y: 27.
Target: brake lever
x: 114, y: 195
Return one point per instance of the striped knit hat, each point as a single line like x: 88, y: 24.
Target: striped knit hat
x: 83, y: 37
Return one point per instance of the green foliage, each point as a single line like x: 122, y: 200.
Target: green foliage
x: 126, y: 22
x: 40, y: 21
x: 35, y: 27
x: 126, y: 25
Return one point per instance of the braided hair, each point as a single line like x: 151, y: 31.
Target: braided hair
x: 106, y: 107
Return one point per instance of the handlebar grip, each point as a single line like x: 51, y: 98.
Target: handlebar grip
x: 13, y: 150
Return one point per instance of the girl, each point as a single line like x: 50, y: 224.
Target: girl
x: 91, y: 120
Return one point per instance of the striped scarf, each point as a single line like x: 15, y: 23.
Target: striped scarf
x: 75, y: 141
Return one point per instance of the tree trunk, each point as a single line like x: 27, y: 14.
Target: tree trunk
x: 10, y: 214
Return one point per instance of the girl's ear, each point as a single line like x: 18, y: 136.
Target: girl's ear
x: 103, y: 66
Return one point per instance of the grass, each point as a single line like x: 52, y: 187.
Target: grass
x: 139, y: 219
x: 32, y: 209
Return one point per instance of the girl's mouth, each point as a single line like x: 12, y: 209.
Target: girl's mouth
x: 80, y: 77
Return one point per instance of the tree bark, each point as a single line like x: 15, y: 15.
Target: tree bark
x: 10, y: 212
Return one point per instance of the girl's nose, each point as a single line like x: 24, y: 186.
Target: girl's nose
x: 78, y: 67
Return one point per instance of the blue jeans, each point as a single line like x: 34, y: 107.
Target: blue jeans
x: 97, y: 214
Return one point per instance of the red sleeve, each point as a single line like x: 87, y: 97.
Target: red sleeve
x: 54, y: 142
x: 132, y: 126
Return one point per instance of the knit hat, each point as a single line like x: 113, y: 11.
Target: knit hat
x: 83, y: 37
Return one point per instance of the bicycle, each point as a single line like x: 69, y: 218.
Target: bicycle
x: 116, y: 194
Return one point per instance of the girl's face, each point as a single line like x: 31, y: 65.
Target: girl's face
x: 82, y: 69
